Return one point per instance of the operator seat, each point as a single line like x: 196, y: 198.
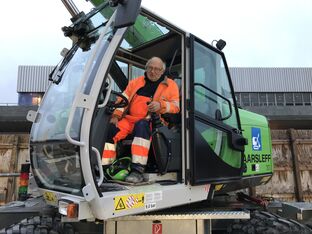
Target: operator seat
x: 174, y: 120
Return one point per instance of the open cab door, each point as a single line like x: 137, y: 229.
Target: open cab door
x: 215, y: 139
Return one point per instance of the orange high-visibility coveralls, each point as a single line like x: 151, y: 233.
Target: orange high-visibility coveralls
x: 134, y: 119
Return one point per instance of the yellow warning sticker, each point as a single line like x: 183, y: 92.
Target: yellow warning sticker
x: 50, y: 198
x: 130, y: 201
x: 218, y: 187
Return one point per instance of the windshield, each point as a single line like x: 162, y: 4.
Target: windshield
x: 53, y: 112
x: 56, y: 163
x: 144, y: 30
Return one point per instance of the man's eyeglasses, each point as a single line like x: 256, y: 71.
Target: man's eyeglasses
x: 156, y: 69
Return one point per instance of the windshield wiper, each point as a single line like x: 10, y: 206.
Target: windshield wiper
x: 69, y: 55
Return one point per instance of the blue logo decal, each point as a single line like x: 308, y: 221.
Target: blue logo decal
x: 256, y: 139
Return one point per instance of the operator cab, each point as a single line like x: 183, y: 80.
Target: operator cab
x: 165, y: 160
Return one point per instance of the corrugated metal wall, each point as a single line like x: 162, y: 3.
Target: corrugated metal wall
x: 251, y: 79
x: 33, y: 78
x: 262, y: 79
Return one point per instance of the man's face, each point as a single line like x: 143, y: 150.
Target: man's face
x: 154, y: 69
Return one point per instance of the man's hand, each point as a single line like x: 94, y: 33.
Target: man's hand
x: 153, y: 106
x: 114, y: 120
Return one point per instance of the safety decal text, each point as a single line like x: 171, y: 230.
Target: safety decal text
x: 153, y: 197
x: 150, y: 206
x: 130, y: 201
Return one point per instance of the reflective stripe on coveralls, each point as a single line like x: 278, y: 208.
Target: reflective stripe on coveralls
x: 131, y: 123
x: 110, y: 153
x: 141, y: 142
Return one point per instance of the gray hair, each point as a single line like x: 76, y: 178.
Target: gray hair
x: 149, y: 61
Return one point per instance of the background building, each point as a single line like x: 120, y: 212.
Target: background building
x: 283, y: 95
x: 32, y: 82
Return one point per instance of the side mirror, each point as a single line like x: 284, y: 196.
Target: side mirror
x: 127, y: 12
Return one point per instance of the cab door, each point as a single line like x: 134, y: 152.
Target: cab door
x: 216, y: 143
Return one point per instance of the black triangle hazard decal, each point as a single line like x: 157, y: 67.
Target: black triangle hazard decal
x: 120, y: 205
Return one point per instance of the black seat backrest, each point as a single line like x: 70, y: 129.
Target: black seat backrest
x: 174, y: 119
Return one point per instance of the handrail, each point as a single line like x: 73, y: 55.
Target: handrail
x: 219, y: 95
x: 109, y: 89
x: 11, y: 174
x: 98, y: 157
x: 67, y: 129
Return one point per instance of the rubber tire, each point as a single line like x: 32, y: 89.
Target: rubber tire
x: 262, y: 222
x: 40, y: 225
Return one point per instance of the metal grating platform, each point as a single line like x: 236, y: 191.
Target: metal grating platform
x: 200, y: 215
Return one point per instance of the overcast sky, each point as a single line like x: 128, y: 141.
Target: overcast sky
x: 266, y: 33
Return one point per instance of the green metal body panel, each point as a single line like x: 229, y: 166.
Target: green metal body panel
x: 258, y: 152
x: 142, y: 30
x: 227, y: 154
